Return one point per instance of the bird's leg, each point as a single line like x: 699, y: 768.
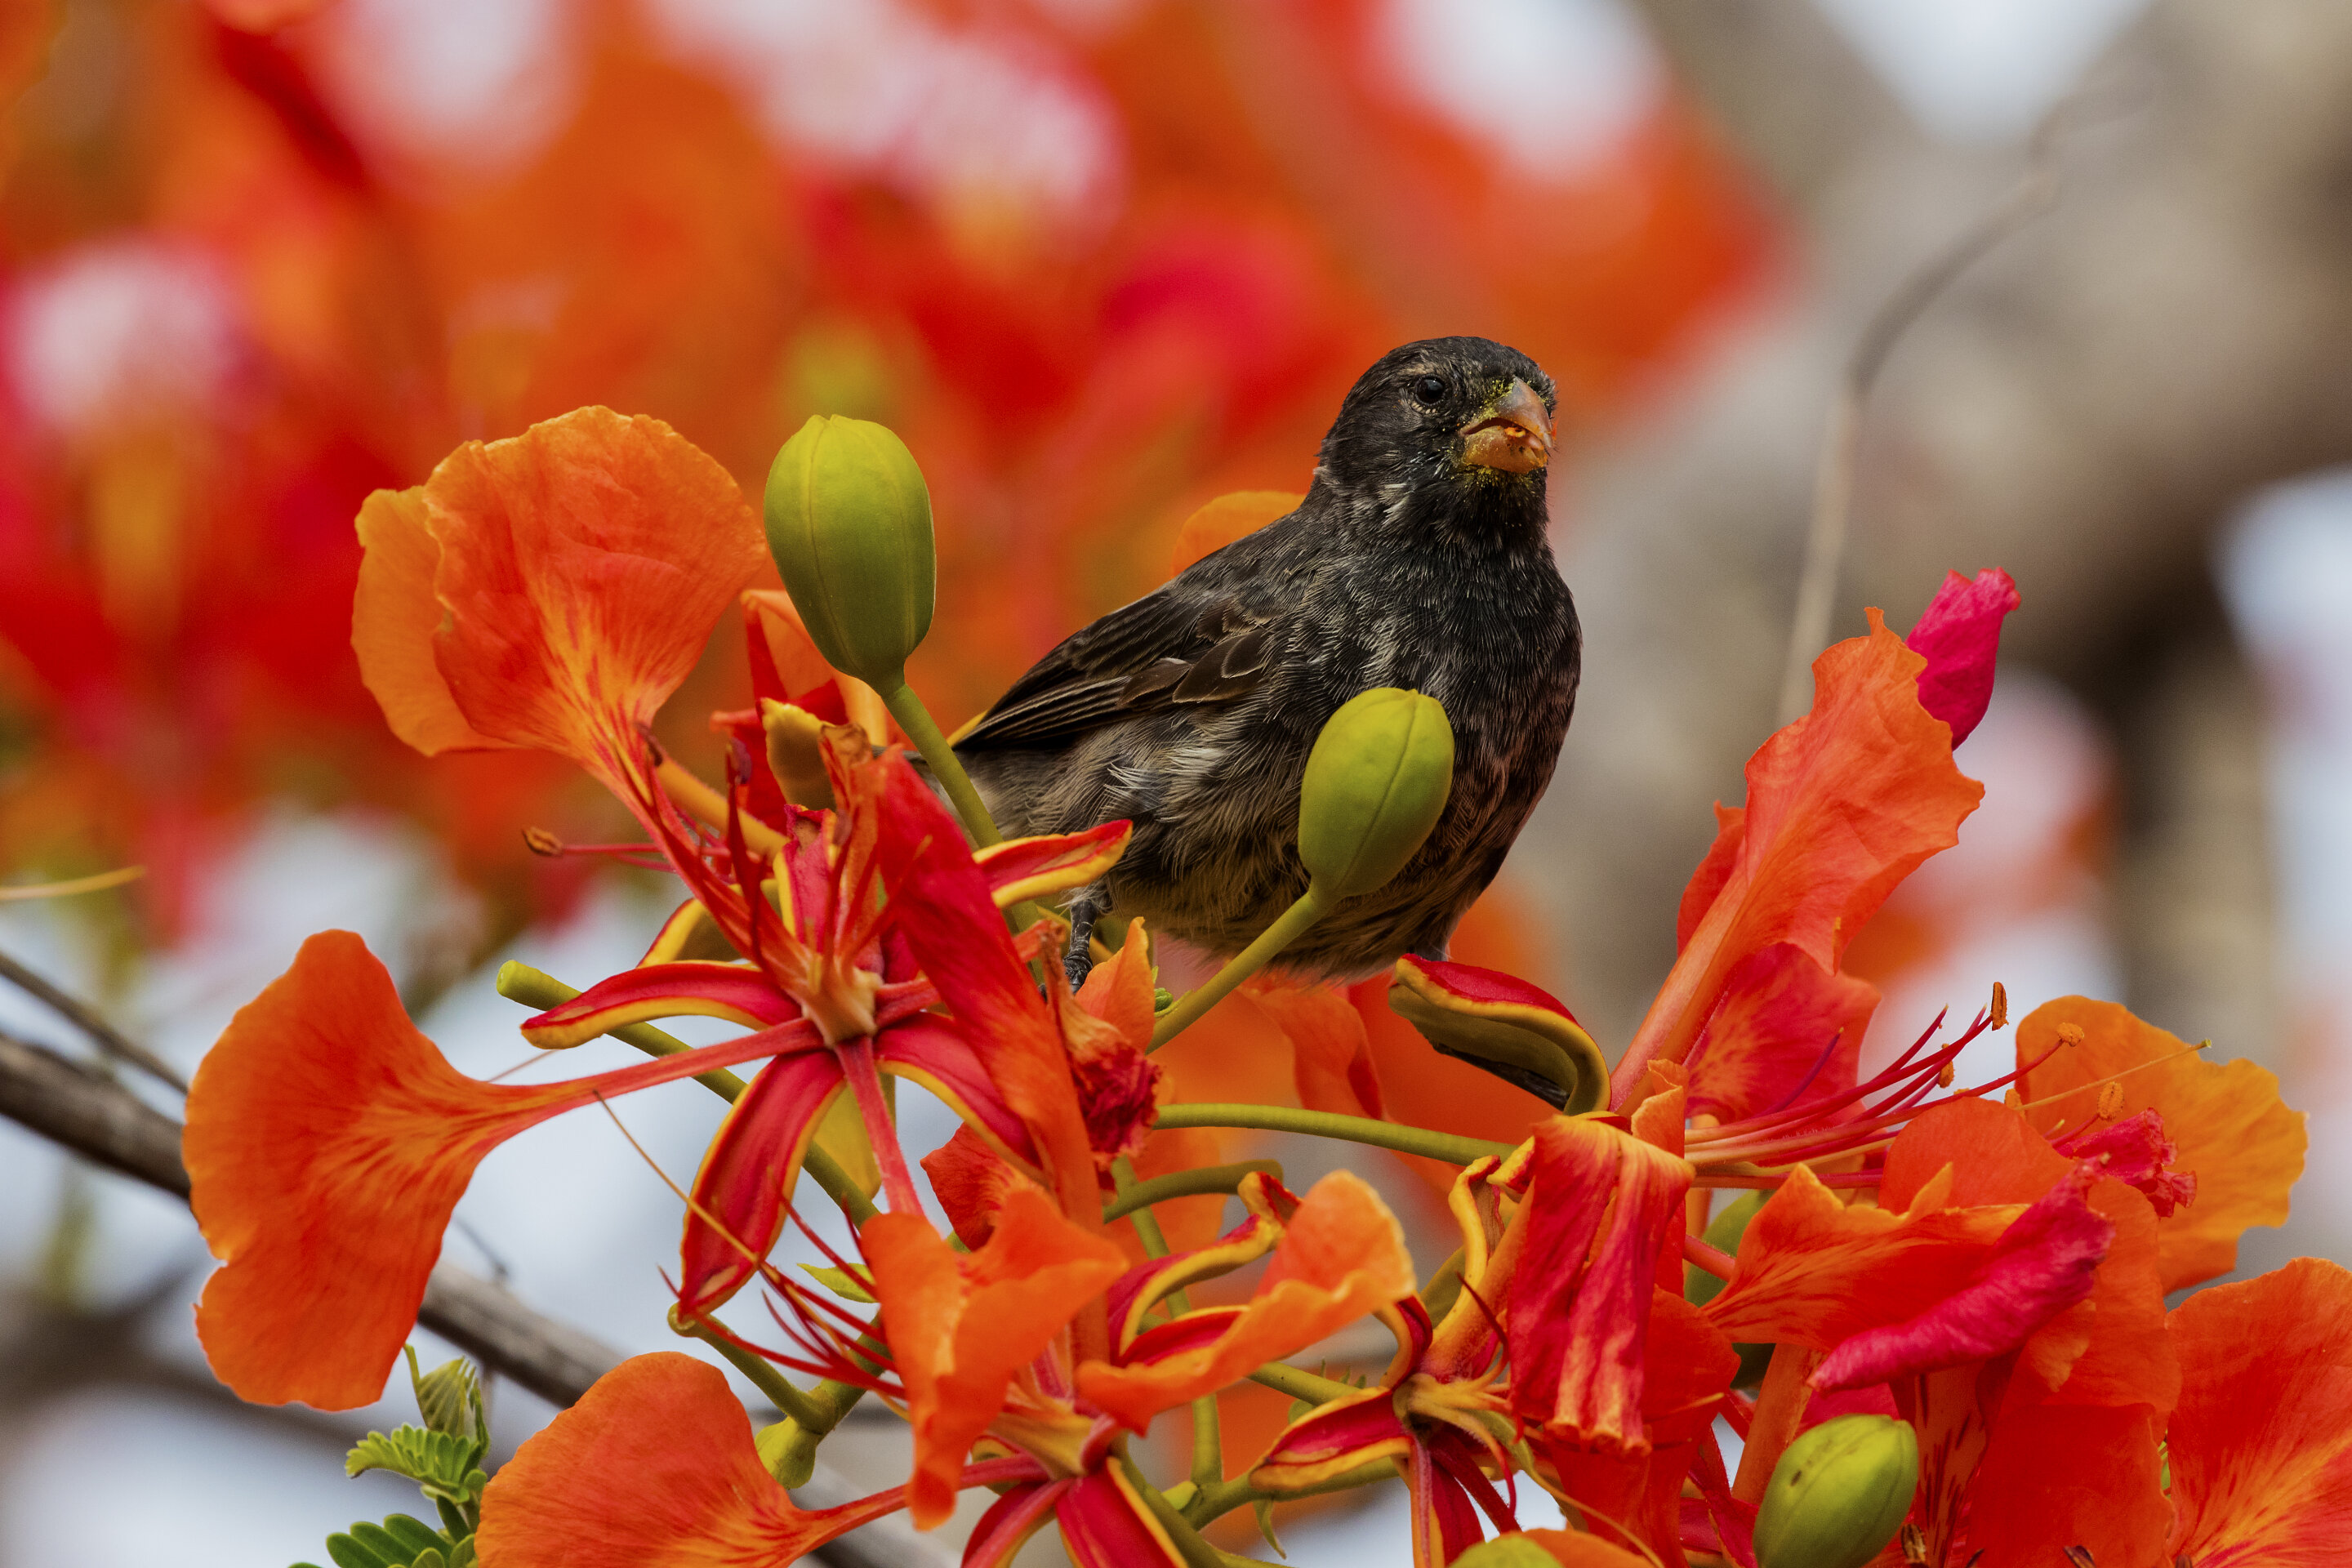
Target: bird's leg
x: 1085, y: 906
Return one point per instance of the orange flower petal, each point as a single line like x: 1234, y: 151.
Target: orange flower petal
x: 655, y: 1468
x: 2260, y: 1445
x: 1815, y: 1272
x: 960, y: 1326
x: 2243, y: 1145
x: 394, y: 617
x: 582, y: 566
x: 328, y: 1143
x: 1332, y: 1056
x: 1687, y: 1369
x: 1841, y: 805
x: 1341, y: 1257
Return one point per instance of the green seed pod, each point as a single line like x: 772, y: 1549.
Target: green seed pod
x: 1375, y: 784
x: 1838, y: 1494
x: 1506, y: 1552
x: 849, y: 522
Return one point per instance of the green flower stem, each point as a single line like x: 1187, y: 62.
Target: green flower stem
x: 1214, y: 1502
x: 796, y: 1405
x: 1208, y: 1435
x: 537, y: 989
x: 1185, y: 1185
x: 1452, y: 1148
x: 791, y: 1452
x: 1287, y: 927
x: 1287, y: 1379
x: 916, y: 719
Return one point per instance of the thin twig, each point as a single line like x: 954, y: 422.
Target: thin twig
x: 2035, y: 192
x: 80, y: 1013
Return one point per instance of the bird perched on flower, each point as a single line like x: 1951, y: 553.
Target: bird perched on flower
x: 1417, y: 558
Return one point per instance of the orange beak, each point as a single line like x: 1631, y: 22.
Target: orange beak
x: 1514, y: 434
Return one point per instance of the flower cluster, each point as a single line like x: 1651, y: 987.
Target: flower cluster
x: 1936, y: 1313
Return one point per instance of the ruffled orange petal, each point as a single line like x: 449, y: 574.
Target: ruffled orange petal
x: 1341, y: 1257
x: 1815, y: 1272
x: 2261, y: 1445
x: 581, y: 567
x: 328, y: 1143
x: 1687, y: 1369
x: 655, y: 1468
x: 959, y: 1325
x: 2243, y: 1145
x: 1841, y: 805
x: 394, y: 617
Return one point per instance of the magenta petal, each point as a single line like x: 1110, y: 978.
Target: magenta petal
x: 1961, y: 636
x: 2042, y: 1265
x: 745, y: 1185
x: 2136, y: 1153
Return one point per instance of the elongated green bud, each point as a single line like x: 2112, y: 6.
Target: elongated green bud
x: 1506, y: 1552
x: 849, y: 522
x: 1838, y: 1494
x: 1375, y: 784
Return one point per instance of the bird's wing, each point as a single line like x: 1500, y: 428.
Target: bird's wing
x: 1172, y: 649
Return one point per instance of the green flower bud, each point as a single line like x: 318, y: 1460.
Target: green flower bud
x: 1838, y: 1494
x: 1375, y: 784
x: 1506, y: 1552
x: 849, y: 522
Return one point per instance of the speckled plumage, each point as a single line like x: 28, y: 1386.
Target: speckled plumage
x: 1191, y: 712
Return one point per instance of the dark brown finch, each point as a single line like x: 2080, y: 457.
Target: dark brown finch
x: 1419, y: 559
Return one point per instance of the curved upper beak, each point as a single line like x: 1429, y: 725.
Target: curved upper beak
x: 1513, y: 434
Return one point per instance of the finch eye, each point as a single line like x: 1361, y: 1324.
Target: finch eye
x: 1429, y: 391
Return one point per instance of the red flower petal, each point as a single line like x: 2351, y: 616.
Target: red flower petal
x: 1579, y: 1311
x: 1959, y: 633
x: 744, y: 1187
x: 2042, y: 1265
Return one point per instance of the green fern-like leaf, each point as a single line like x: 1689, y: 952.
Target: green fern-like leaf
x: 444, y: 1464
x: 400, y: 1542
